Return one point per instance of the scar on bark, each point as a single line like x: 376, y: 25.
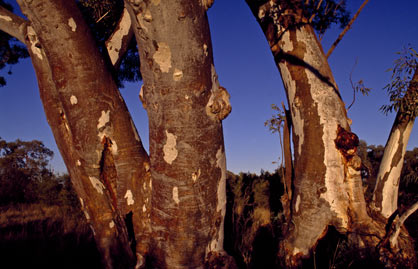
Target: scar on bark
x: 108, y: 170
x: 346, y: 142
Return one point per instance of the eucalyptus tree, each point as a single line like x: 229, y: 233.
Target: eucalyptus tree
x: 325, y: 171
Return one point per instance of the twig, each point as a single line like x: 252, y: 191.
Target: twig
x: 346, y: 29
x: 352, y: 85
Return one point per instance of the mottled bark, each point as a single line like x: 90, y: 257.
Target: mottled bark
x: 185, y: 106
x: 92, y: 127
x: 385, y: 195
x: 327, y: 183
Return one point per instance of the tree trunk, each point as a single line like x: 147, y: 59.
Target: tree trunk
x: 327, y: 181
x: 92, y: 127
x: 385, y: 195
x: 185, y: 106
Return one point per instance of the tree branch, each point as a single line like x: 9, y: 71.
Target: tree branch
x: 118, y: 42
x: 12, y: 24
x: 405, y: 215
x: 334, y: 45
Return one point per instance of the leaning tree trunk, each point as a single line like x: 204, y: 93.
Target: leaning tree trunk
x: 185, y: 106
x: 92, y: 127
x: 385, y: 195
x: 327, y: 185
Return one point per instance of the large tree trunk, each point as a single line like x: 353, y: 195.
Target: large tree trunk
x: 185, y: 106
x: 92, y: 127
x: 327, y: 181
x: 385, y: 195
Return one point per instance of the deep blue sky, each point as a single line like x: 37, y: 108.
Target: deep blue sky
x: 246, y: 69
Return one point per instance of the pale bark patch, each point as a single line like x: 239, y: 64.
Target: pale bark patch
x: 147, y: 16
x: 177, y: 74
x: 78, y: 163
x: 330, y: 117
x: 205, y: 50
x: 196, y: 175
x: 129, y: 197
x: 111, y: 224
x: 72, y: 24
x: 297, y: 203
x: 115, y: 43
x: 156, y: 2
x: 163, y: 57
x: 97, y: 184
x: 298, y: 122
x: 206, y: 3
x: 6, y: 18
x: 104, y: 118
x: 170, y: 149
x: 34, y: 41
x: 73, y: 100
x: 287, y: 44
x: 82, y: 203
x: 217, y: 241
x: 86, y: 214
x: 144, y: 208
x: 261, y: 13
x: 176, y: 195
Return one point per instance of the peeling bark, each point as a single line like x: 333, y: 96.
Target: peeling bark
x: 327, y: 184
x: 185, y: 106
x: 385, y: 195
x: 98, y: 142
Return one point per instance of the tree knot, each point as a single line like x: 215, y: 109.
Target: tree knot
x: 219, y: 105
x: 346, y: 142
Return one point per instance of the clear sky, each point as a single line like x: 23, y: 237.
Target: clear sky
x: 246, y: 69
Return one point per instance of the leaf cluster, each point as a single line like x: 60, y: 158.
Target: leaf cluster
x: 276, y: 122
x: 10, y: 49
x: 403, y: 88
x: 323, y: 13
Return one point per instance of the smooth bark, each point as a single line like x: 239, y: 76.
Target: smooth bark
x: 385, y: 195
x: 185, y: 106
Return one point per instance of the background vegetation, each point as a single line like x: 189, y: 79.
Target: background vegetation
x: 42, y: 225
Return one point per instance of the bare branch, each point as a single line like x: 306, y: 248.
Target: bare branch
x: 118, y: 42
x: 334, y: 45
x: 405, y: 215
x: 352, y: 86
x: 12, y: 24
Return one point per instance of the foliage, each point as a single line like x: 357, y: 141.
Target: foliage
x: 25, y: 177
x: 323, y: 14
x: 253, y: 218
x: 10, y: 49
x: 402, y: 89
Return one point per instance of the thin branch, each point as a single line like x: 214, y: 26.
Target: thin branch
x: 334, y: 45
x: 118, y: 42
x: 405, y: 215
x: 12, y: 24
x: 352, y: 86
